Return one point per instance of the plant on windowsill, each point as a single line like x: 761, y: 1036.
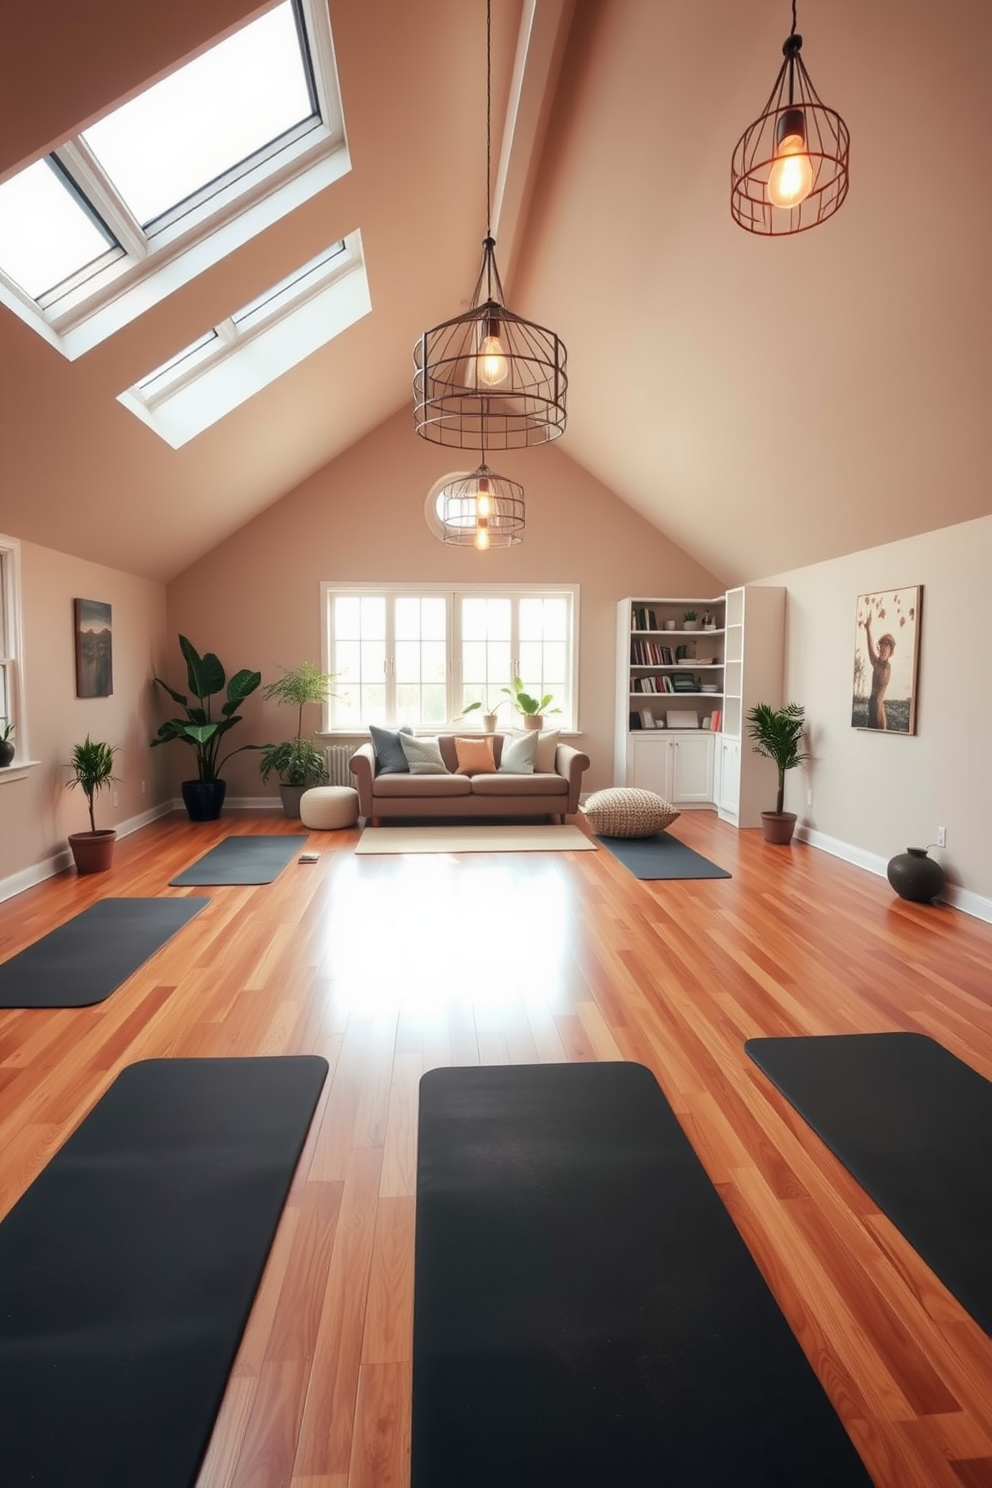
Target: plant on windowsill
x: 205, y: 678
x: 92, y: 766
x: 531, y: 709
x: 299, y: 762
x: 488, y: 718
x: 7, y: 747
x: 778, y: 734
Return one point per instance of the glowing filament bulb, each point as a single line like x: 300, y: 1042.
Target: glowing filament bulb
x: 492, y: 363
x: 791, y: 178
x: 482, y: 535
x: 483, y: 500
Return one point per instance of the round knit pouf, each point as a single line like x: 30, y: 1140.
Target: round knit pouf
x: 328, y: 807
x: 626, y: 811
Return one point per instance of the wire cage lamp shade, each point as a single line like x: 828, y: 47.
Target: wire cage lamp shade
x: 790, y: 167
x: 488, y: 379
x: 482, y: 510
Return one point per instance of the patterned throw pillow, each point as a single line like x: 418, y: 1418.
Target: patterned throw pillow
x: 389, y: 756
x: 518, y: 754
x: 627, y: 812
x: 423, y: 756
x: 475, y: 756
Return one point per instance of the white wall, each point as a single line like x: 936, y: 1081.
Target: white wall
x: 874, y: 794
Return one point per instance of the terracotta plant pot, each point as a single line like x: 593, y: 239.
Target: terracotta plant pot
x: 533, y: 721
x: 778, y: 826
x: 93, y: 852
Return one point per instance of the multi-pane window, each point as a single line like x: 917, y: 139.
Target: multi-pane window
x: 169, y: 182
x: 419, y: 656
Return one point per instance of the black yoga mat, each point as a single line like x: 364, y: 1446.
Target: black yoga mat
x: 586, y: 1313
x: 661, y: 856
x: 88, y: 957
x: 128, y: 1269
x: 913, y: 1124
x: 241, y: 860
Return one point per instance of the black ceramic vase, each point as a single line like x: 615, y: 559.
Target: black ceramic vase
x: 915, y: 876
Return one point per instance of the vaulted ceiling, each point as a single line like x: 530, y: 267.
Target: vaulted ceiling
x: 767, y: 403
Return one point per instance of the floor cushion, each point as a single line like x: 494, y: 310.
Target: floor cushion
x: 328, y: 807
x: 625, y: 811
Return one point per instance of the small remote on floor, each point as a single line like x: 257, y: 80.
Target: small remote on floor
x: 308, y: 857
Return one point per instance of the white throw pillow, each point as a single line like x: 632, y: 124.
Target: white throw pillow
x: 547, y: 747
x: 423, y: 755
x: 518, y: 754
x: 625, y: 811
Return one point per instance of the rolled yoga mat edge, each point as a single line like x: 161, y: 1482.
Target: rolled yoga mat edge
x: 585, y: 1310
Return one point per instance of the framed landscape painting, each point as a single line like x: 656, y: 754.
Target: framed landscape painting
x: 886, y: 649
x: 94, y: 649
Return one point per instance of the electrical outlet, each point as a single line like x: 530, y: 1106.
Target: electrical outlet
x: 809, y: 798
x: 941, y: 836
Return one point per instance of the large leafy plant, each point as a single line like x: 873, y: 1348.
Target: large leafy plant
x: 778, y: 733
x: 92, y: 766
x: 206, y: 680
x: 297, y: 761
x: 525, y: 703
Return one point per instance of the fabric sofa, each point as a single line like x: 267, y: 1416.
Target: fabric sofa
x: 409, y: 797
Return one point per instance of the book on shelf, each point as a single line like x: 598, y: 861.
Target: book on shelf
x: 715, y: 720
x: 643, y: 618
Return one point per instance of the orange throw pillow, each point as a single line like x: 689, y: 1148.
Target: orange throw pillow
x: 475, y: 757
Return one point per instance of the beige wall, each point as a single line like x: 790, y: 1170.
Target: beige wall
x: 880, y: 793
x: 37, y: 812
x: 255, y: 600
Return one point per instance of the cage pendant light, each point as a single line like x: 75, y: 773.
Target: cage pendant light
x: 489, y: 379
x: 790, y: 167
x: 482, y: 510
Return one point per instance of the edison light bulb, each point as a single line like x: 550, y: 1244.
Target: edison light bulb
x: 492, y: 363
x: 483, y: 500
x: 482, y: 536
x: 791, y: 178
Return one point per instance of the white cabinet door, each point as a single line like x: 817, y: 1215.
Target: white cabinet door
x: 729, y: 796
x: 692, y: 768
x: 649, y: 763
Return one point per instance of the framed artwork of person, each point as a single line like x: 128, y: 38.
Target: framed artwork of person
x: 886, y: 657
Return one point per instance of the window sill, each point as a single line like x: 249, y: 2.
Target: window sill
x: 17, y: 771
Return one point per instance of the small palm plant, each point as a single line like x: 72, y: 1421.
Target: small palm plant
x: 778, y: 734
x: 92, y: 766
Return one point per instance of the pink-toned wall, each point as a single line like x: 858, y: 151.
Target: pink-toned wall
x: 255, y: 600
x: 36, y: 811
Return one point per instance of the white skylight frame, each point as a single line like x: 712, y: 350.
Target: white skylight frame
x: 251, y: 348
x: 200, y: 232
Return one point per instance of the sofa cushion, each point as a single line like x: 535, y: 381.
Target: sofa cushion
x: 389, y: 756
x: 423, y: 756
x: 519, y: 753
x: 475, y: 756
x: 625, y: 811
x: 399, y: 787
x: 547, y: 747
x: 519, y: 785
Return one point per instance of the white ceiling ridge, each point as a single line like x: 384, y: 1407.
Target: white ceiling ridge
x: 544, y: 28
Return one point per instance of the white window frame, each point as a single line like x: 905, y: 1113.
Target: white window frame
x: 199, y: 233
x: 245, y: 353
x: 568, y: 720
x: 11, y: 645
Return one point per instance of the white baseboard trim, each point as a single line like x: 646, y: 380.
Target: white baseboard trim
x: 975, y: 905
x: 60, y: 861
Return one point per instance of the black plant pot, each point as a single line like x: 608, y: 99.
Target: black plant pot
x: 6, y: 753
x: 204, y: 798
x: 915, y: 876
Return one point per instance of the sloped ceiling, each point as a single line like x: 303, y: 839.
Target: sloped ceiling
x: 766, y: 403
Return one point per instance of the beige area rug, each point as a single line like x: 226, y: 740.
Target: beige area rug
x: 499, y: 838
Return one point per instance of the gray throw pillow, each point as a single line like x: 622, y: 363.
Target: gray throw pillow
x: 389, y: 756
x: 518, y: 754
x: 423, y: 756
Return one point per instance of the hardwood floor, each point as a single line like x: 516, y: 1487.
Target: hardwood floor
x: 389, y: 966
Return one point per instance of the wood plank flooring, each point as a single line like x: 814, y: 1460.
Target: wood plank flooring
x: 390, y: 966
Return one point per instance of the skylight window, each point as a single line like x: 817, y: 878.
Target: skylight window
x: 251, y: 348
x: 124, y: 213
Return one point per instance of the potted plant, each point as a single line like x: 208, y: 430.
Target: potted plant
x: 204, y: 796
x: 778, y: 734
x: 533, y: 709
x: 92, y: 766
x: 7, y: 748
x: 690, y: 620
x: 488, y: 718
x: 298, y: 762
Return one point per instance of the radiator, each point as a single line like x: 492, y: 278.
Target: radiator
x: 338, y: 756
